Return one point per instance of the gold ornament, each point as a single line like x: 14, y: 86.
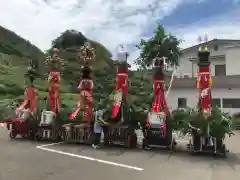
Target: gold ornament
x: 86, y: 54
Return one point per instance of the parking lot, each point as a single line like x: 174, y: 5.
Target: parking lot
x: 26, y: 160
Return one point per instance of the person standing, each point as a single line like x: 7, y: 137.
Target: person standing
x: 97, y: 128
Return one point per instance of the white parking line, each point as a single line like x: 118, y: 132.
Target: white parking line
x: 52, y: 144
x: 88, y: 158
x: 44, y: 147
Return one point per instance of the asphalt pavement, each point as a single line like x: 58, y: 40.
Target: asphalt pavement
x: 28, y: 160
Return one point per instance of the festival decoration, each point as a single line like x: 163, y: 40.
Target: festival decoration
x: 55, y: 65
x: 207, y: 126
x: 86, y: 57
x: 159, y: 101
x: 120, y: 122
x: 50, y: 124
x: 30, y: 93
x: 22, y: 124
x: 211, y: 118
x: 158, y: 130
x: 204, y: 81
x: 121, y: 81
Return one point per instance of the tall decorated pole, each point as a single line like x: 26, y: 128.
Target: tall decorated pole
x: 86, y: 57
x: 30, y: 101
x: 55, y: 64
x: 121, y: 81
x: 122, y: 112
x: 25, y: 113
x: 204, y: 81
x: 159, y: 101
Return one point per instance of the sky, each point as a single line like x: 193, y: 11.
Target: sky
x: 114, y: 22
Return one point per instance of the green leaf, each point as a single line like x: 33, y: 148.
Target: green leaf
x: 161, y: 45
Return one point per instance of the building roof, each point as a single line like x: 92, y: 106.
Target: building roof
x: 213, y: 41
x: 232, y: 81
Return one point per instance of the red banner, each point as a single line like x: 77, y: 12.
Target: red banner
x: 121, y: 87
x: 54, y: 91
x: 159, y: 101
x: 85, y: 101
x: 30, y: 101
x: 122, y: 82
x: 122, y: 78
x: 204, y: 85
x: 88, y: 105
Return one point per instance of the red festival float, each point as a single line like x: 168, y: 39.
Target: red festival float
x: 24, y: 122
x: 158, y: 131
x: 208, y: 126
x: 120, y: 125
x: 49, y: 127
x: 80, y: 127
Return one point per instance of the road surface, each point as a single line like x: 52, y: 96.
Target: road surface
x: 26, y: 160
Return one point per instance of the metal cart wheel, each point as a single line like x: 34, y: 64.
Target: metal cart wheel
x: 144, y: 143
x: 173, y: 144
x: 132, y: 141
x: 191, y: 145
x: 223, y: 152
x: 39, y: 135
x: 12, y: 134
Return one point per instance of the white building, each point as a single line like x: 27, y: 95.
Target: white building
x: 225, y: 70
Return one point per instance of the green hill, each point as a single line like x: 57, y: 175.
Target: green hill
x: 15, y: 53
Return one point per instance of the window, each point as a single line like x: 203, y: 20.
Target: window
x: 231, y: 103
x: 216, y: 103
x: 182, y: 102
x: 220, y: 70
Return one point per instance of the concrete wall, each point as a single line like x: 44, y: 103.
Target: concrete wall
x: 192, y: 96
x: 231, y: 56
x: 233, y: 61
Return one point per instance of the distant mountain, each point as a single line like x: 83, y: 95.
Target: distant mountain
x: 15, y: 53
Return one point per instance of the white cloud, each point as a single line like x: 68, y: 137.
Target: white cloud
x: 111, y: 22
x: 224, y: 26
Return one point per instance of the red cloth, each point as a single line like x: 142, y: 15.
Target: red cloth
x: 203, y: 77
x: 204, y: 86
x: 54, y: 92
x: 30, y: 100
x: 87, y: 112
x: 115, y: 110
x: 159, y: 101
x: 121, y: 85
x: 122, y: 82
x: 86, y: 94
x: 53, y: 101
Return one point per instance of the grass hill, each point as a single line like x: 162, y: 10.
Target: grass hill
x: 15, y: 53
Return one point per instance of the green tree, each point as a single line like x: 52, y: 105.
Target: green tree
x: 160, y: 45
x: 69, y: 38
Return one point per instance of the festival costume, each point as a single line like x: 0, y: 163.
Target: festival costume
x: 159, y: 101
x: 121, y: 82
x: 23, y: 122
x: 204, y: 81
x: 86, y: 57
x: 55, y: 65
